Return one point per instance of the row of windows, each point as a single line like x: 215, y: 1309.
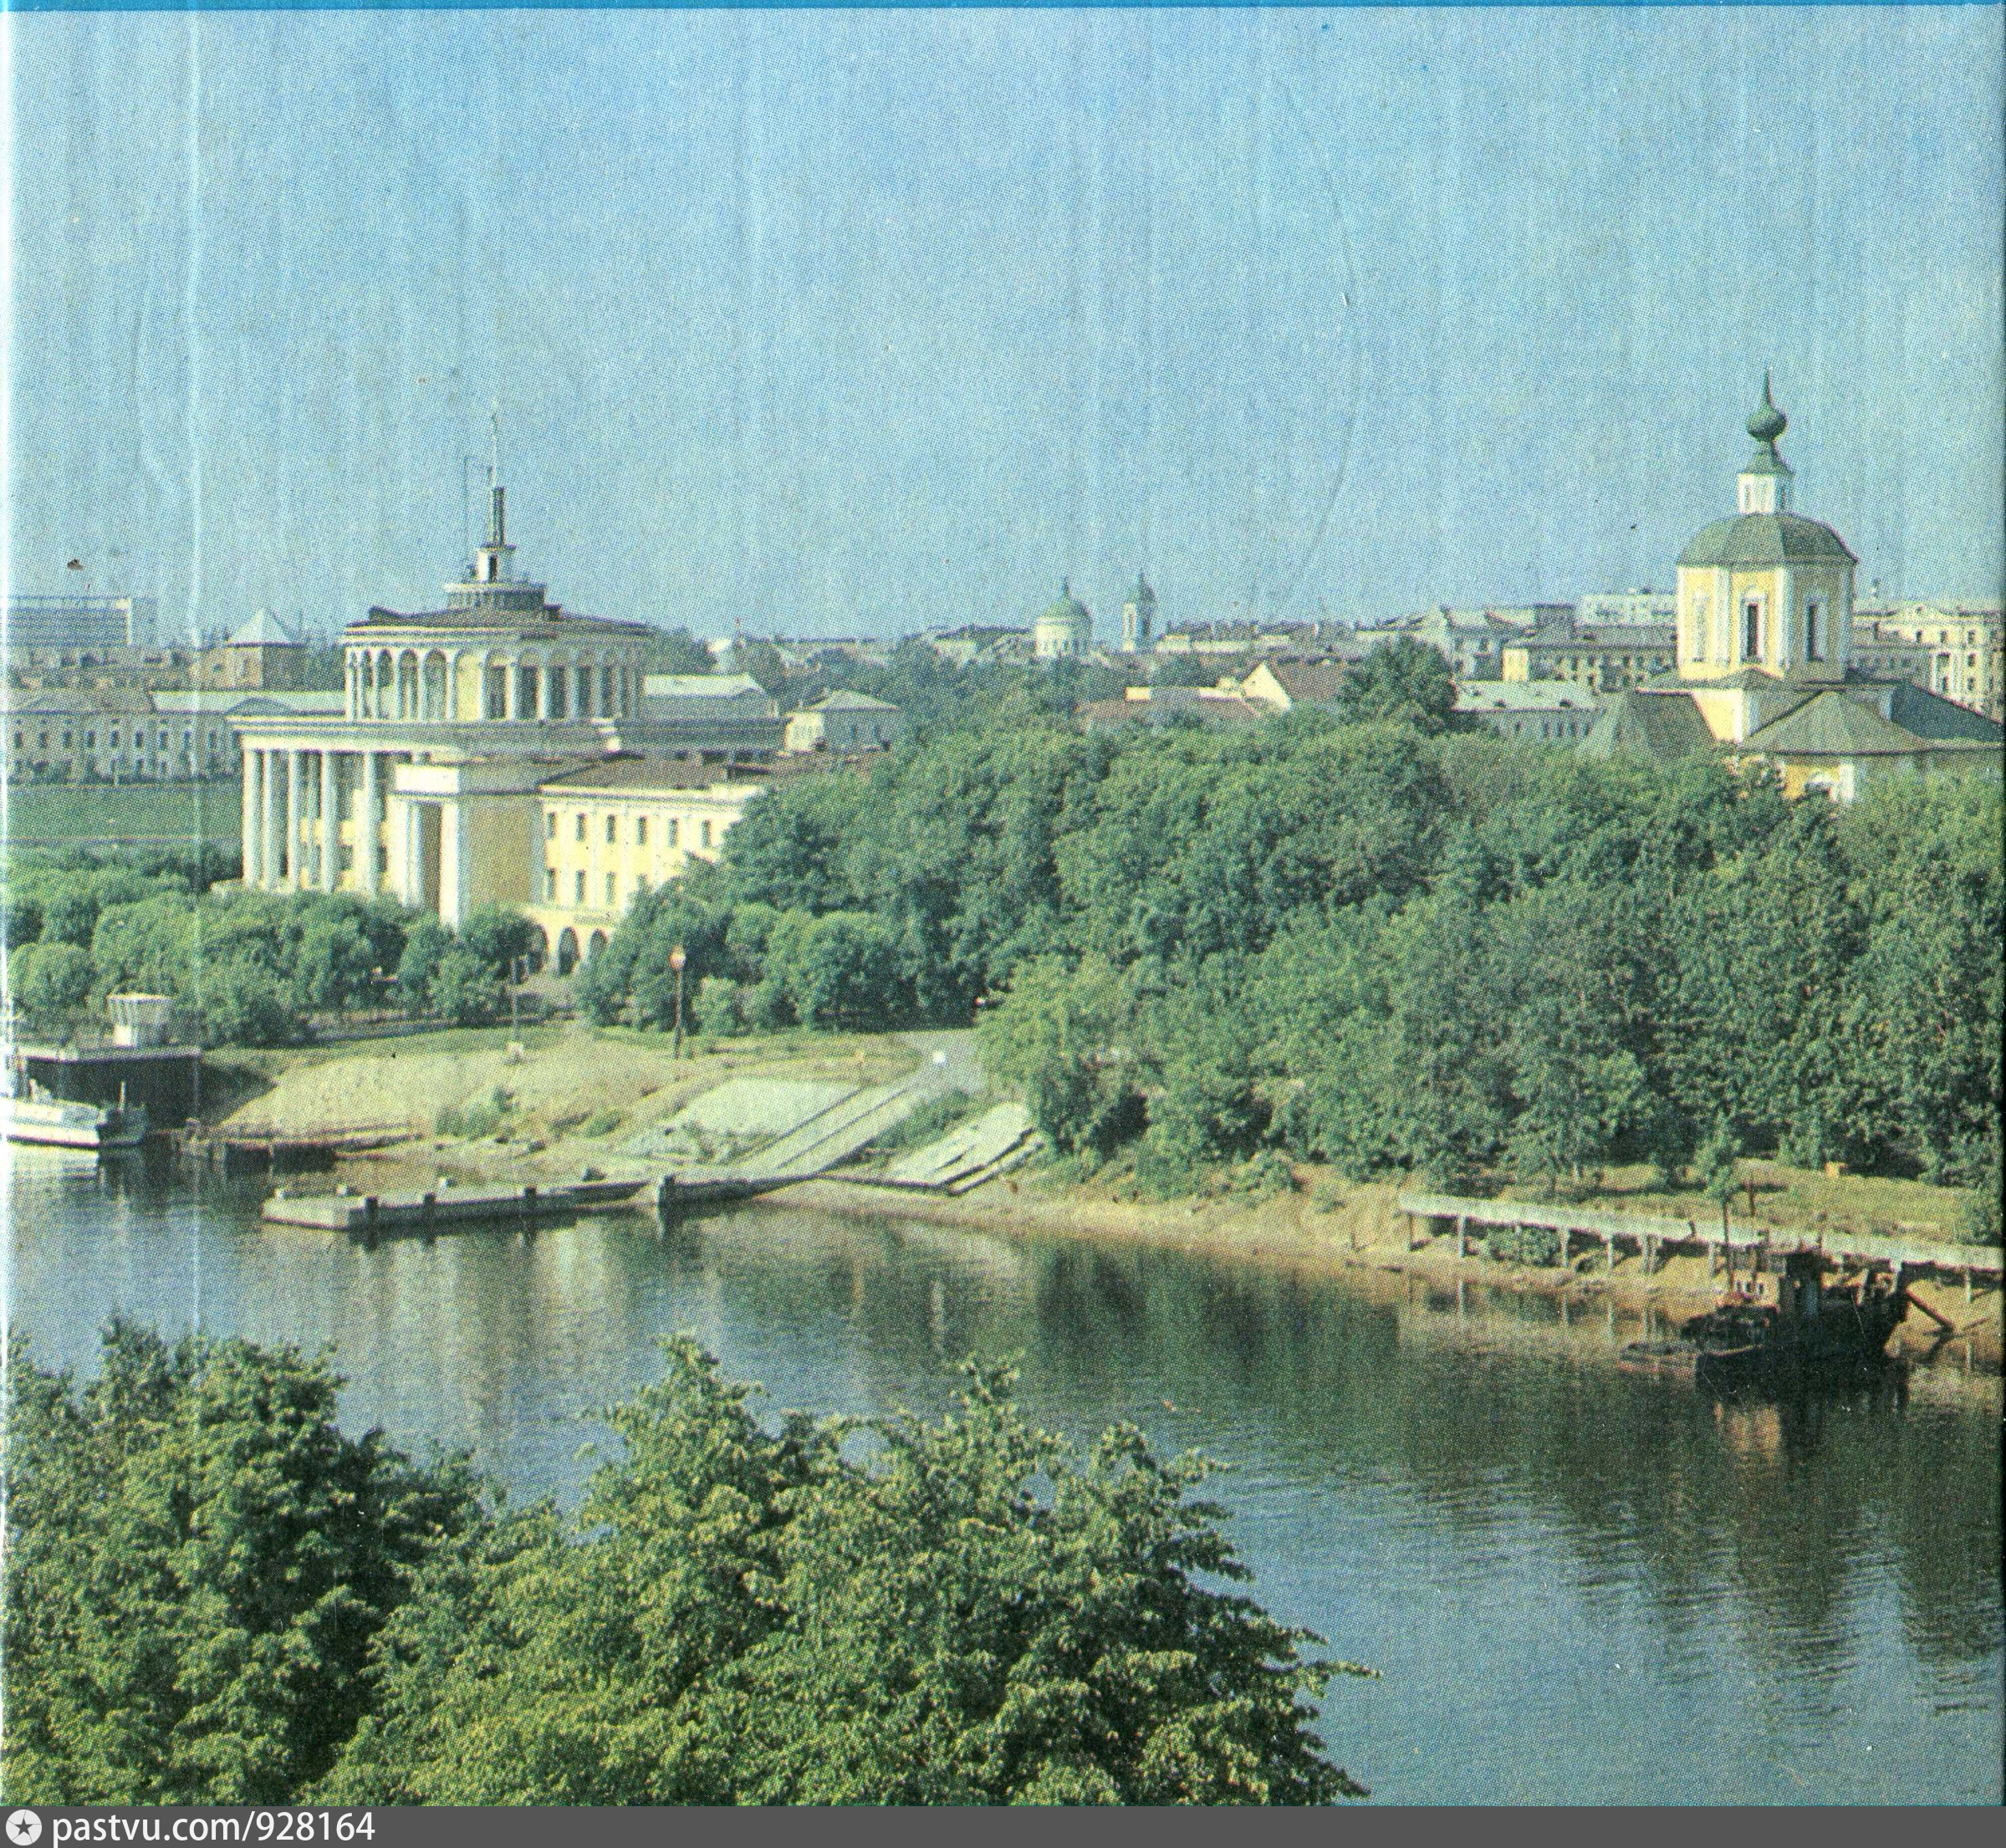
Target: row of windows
x: 90, y: 740
x: 670, y: 837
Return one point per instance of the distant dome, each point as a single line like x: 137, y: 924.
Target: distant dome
x: 1065, y: 628
x: 1068, y: 610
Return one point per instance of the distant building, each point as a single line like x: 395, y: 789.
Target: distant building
x: 1629, y: 607
x: 1139, y: 618
x: 260, y: 653
x: 133, y: 734
x: 1963, y: 662
x: 731, y: 713
x: 1602, y: 657
x: 844, y: 721
x: 1211, y: 707
x: 1064, y: 630
x: 1283, y: 686
x: 1544, y: 712
x: 80, y: 622
x: 977, y: 645
x: 1473, y: 641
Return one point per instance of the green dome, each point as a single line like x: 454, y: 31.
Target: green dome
x: 1068, y: 609
x: 1755, y: 539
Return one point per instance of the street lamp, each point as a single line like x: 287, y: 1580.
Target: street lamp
x: 676, y: 959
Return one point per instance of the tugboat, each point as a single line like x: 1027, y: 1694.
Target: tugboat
x: 1812, y: 1324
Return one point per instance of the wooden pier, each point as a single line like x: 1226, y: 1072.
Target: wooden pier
x: 1653, y: 1237
x: 442, y: 1206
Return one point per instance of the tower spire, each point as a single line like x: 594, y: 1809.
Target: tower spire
x: 497, y: 520
x: 1764, y: 483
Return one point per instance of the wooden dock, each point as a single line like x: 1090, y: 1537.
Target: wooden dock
x: 1652, y: 1236
x: 442, y: 1207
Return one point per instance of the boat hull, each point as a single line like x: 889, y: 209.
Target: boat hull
x: 71, y: 1126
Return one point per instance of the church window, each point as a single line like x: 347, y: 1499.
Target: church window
x: 1751, y: 629
x: 1813, y: 648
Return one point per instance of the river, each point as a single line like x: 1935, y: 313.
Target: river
x: 1580, y: 1586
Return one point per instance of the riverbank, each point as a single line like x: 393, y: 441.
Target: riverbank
x: 1331, y: 1226
x: 544, y: 1103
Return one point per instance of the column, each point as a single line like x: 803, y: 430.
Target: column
x: 368, y: 838
x: 452, y: 688
x: 512, y: 688
x: 543, y: 689
x: 294, y: 779
x: 252, y: 763
x: 330, y: 821
x: 268, y: 825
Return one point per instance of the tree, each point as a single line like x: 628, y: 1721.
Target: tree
x: 1403, y: 679
x: 49, y: 980
x: 499, y: 937
x: 975, y: 1614
x: 464, y: 988
x: 677, y: 652
x: 244, y: 1004
x: 198, y: 1563
x: 1057, y: 1036
x: 425, y: 944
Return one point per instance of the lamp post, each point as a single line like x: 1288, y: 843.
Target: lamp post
x: 676, y: 959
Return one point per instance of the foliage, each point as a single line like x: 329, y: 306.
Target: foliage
x: 199, y: 1561
x: 1057, y: 1035
x: 477, y: 1117
x: 1403, y: 679
x: 974, y: 1613
x: 463, y: 988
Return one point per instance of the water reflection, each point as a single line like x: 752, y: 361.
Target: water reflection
x: 1582, y: 1584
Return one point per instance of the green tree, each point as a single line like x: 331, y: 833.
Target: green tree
x: 198, y: 1562
x: 1059, y: 1036
x: 464, y: 988
x: 975, y: 1614
x: 1403, y: 679
x: 49, y: 982
x: 425, y: 944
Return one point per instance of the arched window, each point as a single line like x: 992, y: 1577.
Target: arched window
x: 567, y: 953
x: 1751, y: 629
x: 1814, y: 623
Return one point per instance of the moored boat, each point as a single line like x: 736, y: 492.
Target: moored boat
x: 1810, y: 1324
x: 62, y: 1123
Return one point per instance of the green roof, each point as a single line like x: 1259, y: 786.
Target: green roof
x: 1765, y: 539
x: 1929, y: 715
x: 1835, y: 724
x: 1664, y: 726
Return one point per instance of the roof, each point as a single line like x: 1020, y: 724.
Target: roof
x: 1834, y: 724
x: 1753, y: 539
x: 1603, y: 635
x: 1524, y: 695
x: 320, y: 703
x: 263, y: 630
x: 1660, y: 725
x: 1931, y: 715
x: 701, y: 687
x: 631, y: 775
x: 1068, y: 609
x: 1212, y: 709
x: 488, y: 616
x: 1307, y: 682
x: 842, y: 700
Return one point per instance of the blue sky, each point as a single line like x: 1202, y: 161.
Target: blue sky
x: 822, y: 322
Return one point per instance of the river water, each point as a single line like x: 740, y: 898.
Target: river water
x: 1580, y: 1586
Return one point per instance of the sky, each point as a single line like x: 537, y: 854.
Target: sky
x: 826, y: 323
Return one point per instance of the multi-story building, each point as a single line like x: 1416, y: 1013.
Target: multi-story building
x: 81, y: 623
x: 1964, y: 660
x: 426, y: 783
x: 1601, y: 657
x: 609, y: 831
x: 1546, y: 712
x: 1473, y: 641
x: 1629, y: 607
x: 133, y: 734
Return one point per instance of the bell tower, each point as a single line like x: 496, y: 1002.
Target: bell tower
x: 1764, y: 485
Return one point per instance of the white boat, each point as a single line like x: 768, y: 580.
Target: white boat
x: 61, y: 1123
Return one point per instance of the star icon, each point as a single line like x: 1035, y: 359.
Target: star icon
x: 23, y: 1828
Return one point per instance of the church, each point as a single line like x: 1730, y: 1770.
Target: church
x: 1765, y: 670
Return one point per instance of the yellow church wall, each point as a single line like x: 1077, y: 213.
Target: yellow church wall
x: 499, y: 835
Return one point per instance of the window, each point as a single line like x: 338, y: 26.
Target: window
x: 672, y: 831
x: 551, y: 885
x: 612, y: 830
x: 550, y: 827
x: 580, y: 888
x: 705, y: 836
x: 90, y: 741
x: 1814, y: 641
x: 1751, y: 629
x: 581, y: 827
x: 640, y: 830
x: 610, y: 890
